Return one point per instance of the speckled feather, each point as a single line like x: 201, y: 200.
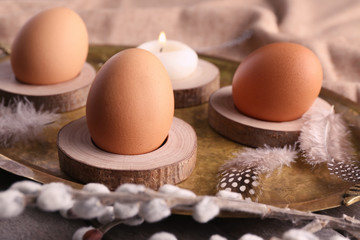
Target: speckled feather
x: 241, y: 181
x: 325, y: 138
x: 241, y: 174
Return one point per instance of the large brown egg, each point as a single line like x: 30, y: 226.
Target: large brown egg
x: 277, y: 82
x: 130, y: 106
x: 50, y: 48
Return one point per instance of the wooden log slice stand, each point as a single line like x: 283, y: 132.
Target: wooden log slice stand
x: 197, y: 88
x: 229, y: 122
x: 61, y: 97
x: 171, y: 163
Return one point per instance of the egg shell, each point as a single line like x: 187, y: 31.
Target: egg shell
x: 130, y: 106
x: 50, y: 48
x: 277, y: 82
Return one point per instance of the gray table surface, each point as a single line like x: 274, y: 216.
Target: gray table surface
x: 35, y: 224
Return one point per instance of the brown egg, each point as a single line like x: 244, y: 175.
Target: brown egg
x: 50, y: 48
x: 130, y: 106
x: 277, y: 82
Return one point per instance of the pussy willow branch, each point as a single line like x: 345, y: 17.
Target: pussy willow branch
x: 267, y: 211
x: 315, y: 226
x: 181, y: 204
x: 187, y: 204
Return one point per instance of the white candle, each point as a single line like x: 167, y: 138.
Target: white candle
x: 178, y: 58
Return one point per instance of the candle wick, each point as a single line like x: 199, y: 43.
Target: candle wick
x: 161, y: 49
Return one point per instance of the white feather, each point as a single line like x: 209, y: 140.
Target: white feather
x: 325, y: 137
x: 20, y: 121
x: 264, y: 159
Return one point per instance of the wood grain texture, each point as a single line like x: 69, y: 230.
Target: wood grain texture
x: 229, y: 122
x: 172, y: 163
x: 61, y: 97
x: 197, y: 88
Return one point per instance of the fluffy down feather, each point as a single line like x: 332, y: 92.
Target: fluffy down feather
x: 20, y: 121
x: 264, y: 159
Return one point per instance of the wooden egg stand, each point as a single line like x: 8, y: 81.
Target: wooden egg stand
x: 171, y: 163
x: 229, y: 122
x: 197, y: 88
x: 61, y: 97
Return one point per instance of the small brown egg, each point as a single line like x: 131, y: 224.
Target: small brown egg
x: 277, y: 82
x: 130, y: 106
x: 50, y: 48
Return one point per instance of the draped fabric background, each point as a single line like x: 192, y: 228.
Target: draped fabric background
x: 225, y: 28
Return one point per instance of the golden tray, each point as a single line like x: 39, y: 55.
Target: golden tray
x: 300, y: 187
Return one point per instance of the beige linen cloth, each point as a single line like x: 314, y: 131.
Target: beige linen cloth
x: 224, y: 28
